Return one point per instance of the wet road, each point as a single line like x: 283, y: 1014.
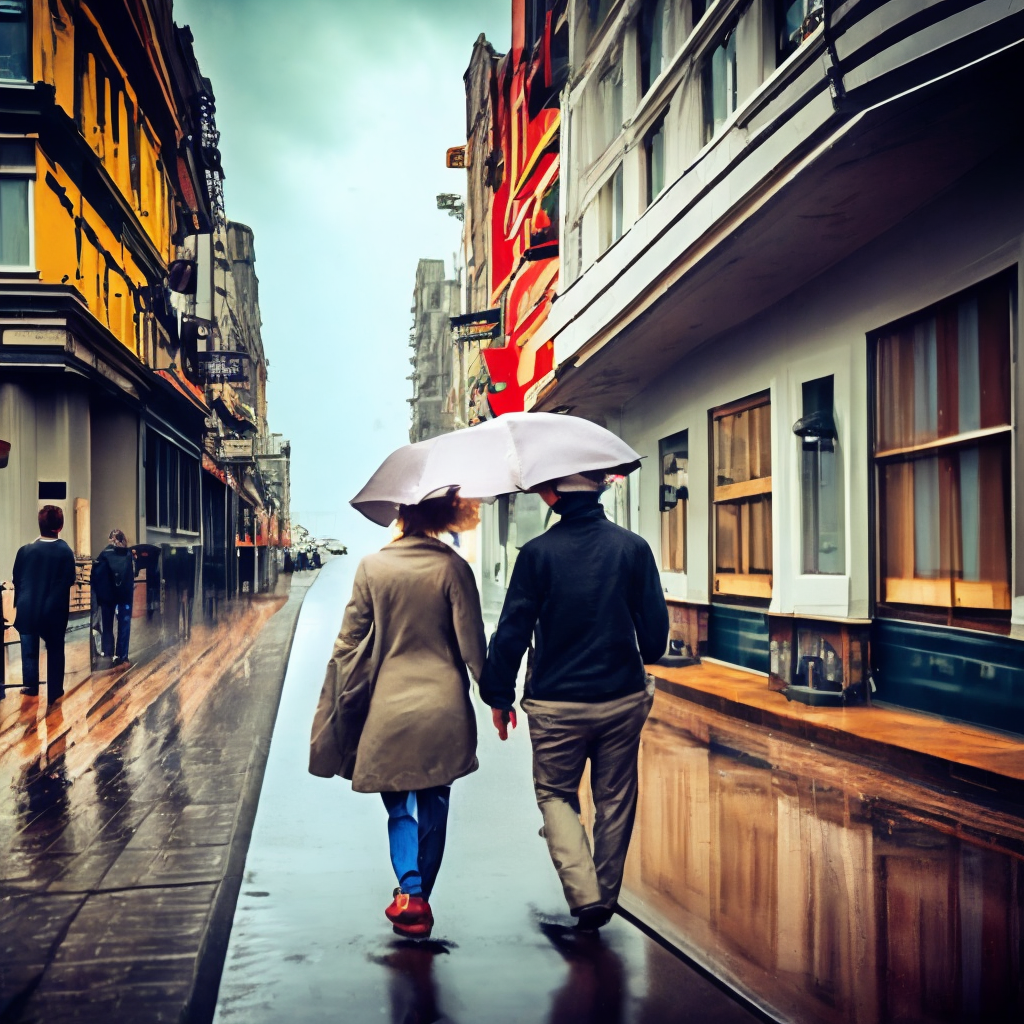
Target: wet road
x: 123, y: 816
x: 310, y: 943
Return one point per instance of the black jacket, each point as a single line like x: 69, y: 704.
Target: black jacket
x: 113, y: 575
x: 44, y: 573
x: 591, y: 592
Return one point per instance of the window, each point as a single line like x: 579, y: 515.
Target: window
x: 795, y: 20
x: 942, y: 453
x: 673, y: 499
x: 14, y: 54
x: 17, y: 169
x: 654, y: 160
x: 536, y: 19
x: 698, y: 8
x: 719, y: 79
x: 653, y: 55
x: 597, y: 11
x: 606, y: 116
x: 820, y: 481
x: 610, y: 209
x: 743, y: 498
x: 172, y: 486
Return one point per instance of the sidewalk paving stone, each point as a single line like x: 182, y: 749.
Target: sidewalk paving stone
x: 124, y: 813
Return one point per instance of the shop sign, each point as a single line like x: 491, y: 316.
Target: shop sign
x: 224, y: 367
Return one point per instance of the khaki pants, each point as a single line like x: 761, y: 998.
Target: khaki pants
x: 564, y: 735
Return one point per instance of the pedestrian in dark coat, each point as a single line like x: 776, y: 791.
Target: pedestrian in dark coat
x: 419, y: 600
x: 44, y: 573
x: 590, y: 593
x: 113, y: 583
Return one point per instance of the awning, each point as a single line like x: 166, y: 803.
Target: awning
x: 235, y: 413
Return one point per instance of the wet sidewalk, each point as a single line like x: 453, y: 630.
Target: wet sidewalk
x: 124, y: 815
x: 309, y: 941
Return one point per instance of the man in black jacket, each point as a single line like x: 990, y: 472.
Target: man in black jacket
x: 44, y: 573
x: 590, y: 593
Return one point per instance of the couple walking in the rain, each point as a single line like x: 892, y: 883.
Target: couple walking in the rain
x: 395, y: 714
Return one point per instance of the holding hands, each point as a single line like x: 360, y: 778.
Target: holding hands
x: 501, y: 720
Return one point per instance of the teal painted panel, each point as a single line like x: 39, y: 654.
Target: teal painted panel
x: 738, y: 636
x: 976, y: 677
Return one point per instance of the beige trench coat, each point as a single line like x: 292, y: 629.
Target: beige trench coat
x: 421, y: 599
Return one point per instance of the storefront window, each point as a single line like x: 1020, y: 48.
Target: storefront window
x: 942, y: 453
x: 743, y: 498
x: 674, y: 499
x: 172, y: 486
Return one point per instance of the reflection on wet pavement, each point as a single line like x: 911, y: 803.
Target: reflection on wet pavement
x: 116, y: 811
x: 827, y: 889
x: 309, y: 941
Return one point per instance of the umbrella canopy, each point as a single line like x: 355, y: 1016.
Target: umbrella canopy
x: 514, y: 452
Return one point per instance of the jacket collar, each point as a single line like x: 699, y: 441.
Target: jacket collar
x: 421, y: 542
x: 579, y: 505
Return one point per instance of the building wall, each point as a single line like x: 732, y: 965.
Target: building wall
x: 970, y: 234
x: 435, y: 301
x: 50, y: 442
x: 115, y: 474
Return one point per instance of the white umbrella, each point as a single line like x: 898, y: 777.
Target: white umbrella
x: 514, y: 452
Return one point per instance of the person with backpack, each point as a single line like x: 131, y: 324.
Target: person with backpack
x: 113, y: 583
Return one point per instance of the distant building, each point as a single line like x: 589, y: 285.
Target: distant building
x: 435, y: 301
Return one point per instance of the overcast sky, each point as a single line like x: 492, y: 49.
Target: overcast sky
x: 335, y: 116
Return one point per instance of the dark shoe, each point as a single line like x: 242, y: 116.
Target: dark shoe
x: 410, y: 916
x: 30, y: 691
x: 589, y: 919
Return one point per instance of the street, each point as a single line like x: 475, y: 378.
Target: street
x: 310, y: 943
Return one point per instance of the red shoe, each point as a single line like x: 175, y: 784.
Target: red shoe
x: 410, y: 916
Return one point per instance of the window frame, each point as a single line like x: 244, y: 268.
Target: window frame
x: 759, y: 585
x: 27, y: 173
x: 29, y: 54
x: 938, y: 596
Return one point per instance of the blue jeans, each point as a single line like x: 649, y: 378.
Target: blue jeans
x: 123, y: 614
x: 417, y: 826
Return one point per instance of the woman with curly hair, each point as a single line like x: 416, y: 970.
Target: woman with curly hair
x: 415, y: 615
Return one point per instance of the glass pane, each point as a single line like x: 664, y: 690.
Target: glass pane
x: 727, y: 538
x: 743, y: 446
x: 984, y: 507
x: 14, y: 236
x: 743, y: 536
x: 821, y: 517
x: 946, y: 373
x: 617, y: 205
x: 657, y: 162
x: 674, y: 474
x: 14, y: 41
x: 929, y: 560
